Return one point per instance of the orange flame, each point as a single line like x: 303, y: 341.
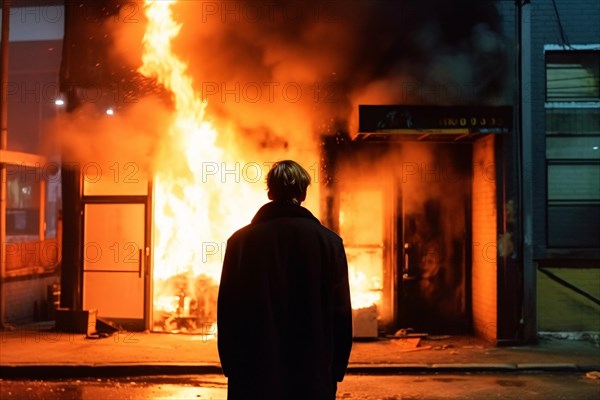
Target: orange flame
x: 194, y: 210
x: 360, y: 226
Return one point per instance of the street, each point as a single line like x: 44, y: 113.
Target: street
x: 559, y: 386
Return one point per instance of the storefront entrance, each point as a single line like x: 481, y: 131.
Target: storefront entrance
x: 430, y: 221
x: 116, y: 245
x: 431, y: 242
x: 404, y: 217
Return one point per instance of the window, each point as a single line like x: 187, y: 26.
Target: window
x: 572, y: 75
x: 23, y: 201
x: 573, y: 148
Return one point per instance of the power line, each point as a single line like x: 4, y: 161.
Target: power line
x: 561, y: 31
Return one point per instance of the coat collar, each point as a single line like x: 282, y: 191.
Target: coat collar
x: 277, y: 209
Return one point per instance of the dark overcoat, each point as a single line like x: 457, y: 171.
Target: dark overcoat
x: 284, y: 315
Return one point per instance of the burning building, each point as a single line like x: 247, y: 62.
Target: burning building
x: 402, y: 111
x: 403, y: 207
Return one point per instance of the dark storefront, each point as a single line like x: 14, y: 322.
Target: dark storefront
x: 426, y: 188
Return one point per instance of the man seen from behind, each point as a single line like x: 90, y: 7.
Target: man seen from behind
x: 284, y: 315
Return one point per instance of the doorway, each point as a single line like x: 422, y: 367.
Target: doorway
x: 405, y: 217
x: 432, y: 242
x: 115, y: 252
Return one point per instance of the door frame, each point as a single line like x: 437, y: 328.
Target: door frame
x: 127, y: 323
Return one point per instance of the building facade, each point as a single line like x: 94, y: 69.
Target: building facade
x: 527, y: 246
x: 31, y: 196
x: 560, y: 94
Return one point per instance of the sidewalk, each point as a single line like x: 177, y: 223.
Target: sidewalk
x: 42, y: 353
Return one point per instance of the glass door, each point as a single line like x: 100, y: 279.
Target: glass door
x: 115, y: 244
x: 114, y: 266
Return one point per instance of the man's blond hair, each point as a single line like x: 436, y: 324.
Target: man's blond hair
x: 287, y: 181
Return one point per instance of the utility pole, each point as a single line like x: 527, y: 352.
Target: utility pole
x: 529, y: 317
x: 3, y: 146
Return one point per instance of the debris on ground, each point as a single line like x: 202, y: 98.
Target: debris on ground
x: 438, y: 337
x: 593, y: 375
x: 409, y: 344
x: 407, y: 333
x: 97, y: 335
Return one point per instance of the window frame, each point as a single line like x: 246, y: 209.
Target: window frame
x: 554, y: 243
x: 568, y: 98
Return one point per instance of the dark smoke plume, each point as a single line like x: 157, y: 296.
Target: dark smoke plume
x: 343, y: 53
x: 279, y: 73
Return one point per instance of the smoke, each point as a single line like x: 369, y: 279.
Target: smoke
x: 128, y: 136
x: 417, y: 194
x: 277, y: 75
x: 282, y: 73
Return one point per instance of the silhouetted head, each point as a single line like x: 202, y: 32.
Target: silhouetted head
x: 287, y: 181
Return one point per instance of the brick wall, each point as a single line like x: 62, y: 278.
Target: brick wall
x: 27, y: 299
x: 484, y: 277
x: 30, y: 267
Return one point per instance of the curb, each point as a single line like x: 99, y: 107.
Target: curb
x: 65, y: 371
x: 60, y: 371
x: 388, y: 369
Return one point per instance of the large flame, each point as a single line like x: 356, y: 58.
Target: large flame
x: 197, y: 195
x: 196, y: 205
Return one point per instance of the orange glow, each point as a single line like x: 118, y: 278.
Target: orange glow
x: 361, y: 219
x: 195, y: 207
x: 365, y: 282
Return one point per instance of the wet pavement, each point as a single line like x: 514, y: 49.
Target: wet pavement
x: 152, y: 387
x: 466, y: 386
